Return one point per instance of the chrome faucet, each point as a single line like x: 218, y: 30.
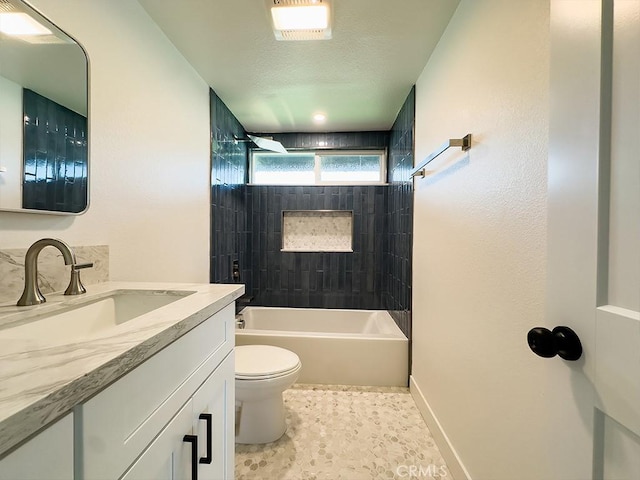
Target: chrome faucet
x: 32, y: 294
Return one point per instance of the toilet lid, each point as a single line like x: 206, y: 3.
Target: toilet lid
x: 264, y: 360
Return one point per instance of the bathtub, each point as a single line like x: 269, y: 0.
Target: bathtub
x: 337, y: 347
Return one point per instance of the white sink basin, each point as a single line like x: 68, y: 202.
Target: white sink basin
x: 91, y: 317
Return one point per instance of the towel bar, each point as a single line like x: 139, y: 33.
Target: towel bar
x: 464, y: 143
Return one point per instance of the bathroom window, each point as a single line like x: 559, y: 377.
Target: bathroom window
x: 318, y: 168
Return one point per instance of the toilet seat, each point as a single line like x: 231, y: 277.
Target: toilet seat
x: 263, y: 362
x: 255, y: 379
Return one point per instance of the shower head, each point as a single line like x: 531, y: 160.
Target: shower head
x: 264, y: 143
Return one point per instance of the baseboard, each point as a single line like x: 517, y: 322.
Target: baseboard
x: 454, y: 464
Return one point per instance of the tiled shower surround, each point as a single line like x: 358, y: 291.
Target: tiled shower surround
x: 328, y: 279
x: 399, y: 231
x: 313, y: 279
x: 229, y: 235
x: 247, y: 224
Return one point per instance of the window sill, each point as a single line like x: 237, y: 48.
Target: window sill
x: 333, y: 184
x: 316, y: 251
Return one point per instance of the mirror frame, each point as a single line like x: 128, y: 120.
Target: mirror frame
x: 41, y: 17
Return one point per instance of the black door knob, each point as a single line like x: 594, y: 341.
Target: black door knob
x: 561, y: 341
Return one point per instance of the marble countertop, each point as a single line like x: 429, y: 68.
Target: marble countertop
x: 41, y: 380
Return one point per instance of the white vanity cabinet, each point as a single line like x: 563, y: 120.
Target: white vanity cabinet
x: 46, y: 456
x: 208, y: 425
x: 135, y: 428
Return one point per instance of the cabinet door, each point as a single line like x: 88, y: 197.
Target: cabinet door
x: 169, y: 456
x: 123, y: 419
x: 213, y: 421
x: 47, y: 456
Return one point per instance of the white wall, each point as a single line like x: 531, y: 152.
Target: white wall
x: 149, y: 150
x: 480, y: 234
x: 10, y: 144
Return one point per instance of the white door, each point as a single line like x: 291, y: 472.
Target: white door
x: 594, y: 237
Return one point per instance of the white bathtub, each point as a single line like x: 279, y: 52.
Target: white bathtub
x: 338, y: 347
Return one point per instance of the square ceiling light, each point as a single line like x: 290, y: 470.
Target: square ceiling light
x: 27, y: 27
x: 21, y: 24
x: 300, y: 19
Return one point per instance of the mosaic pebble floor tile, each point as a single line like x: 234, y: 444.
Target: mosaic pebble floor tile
x: 344, y: 432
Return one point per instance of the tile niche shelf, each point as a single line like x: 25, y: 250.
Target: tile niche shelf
x: 317, y: 231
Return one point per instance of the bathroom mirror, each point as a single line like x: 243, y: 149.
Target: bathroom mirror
x: 44, y: 161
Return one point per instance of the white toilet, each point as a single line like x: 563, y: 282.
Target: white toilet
x: 263, y: 372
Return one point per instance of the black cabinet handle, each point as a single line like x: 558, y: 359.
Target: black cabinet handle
x: 193, y: 440
x: 561, y: 341
x: 207, y: 417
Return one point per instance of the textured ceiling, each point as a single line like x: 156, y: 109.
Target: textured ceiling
x: 359, y: 78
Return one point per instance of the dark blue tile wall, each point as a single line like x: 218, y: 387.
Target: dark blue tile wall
x: 320, y: 280
x: 230, y: 238
x: 323, y: 279
x: 399, y: 221
x: 55, y: 156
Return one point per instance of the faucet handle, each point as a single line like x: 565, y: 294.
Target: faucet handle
x: 75, y: 284
x: 79, y: 266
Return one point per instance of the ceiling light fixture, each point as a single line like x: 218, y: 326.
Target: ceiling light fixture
x: 20, y: 24
x: 301, y: 19
x: 319, y: 118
